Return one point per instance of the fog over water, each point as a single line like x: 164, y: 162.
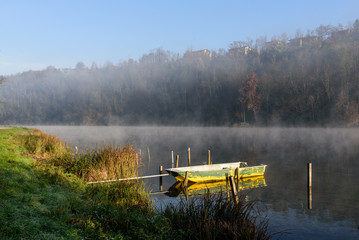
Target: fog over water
x: 334, y: 154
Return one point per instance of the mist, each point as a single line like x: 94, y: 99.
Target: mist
x: 309, y: 80
x: 286, y: 151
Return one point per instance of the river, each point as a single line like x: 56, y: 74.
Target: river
x: 334, y: 154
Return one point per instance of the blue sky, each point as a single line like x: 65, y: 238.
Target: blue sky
x: 40, y: 33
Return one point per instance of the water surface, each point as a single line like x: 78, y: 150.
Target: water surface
x: 334, y: 154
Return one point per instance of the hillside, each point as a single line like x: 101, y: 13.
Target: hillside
x: 309, y: 80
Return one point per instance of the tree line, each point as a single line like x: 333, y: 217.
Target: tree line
x: 311, y: 79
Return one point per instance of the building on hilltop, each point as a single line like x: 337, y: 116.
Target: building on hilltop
x: 199, y: 53
x: 239, y: 51
x: 340, y: 34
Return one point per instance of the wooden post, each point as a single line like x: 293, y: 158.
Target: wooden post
x: 310, y: 197
x: 186, y: 193
x: 310, y: 175
x: 177, y: 159
x: 127, y: 179
x: 234, y: 189
x: 185, y: 182
x: 189, y: 157
x: 173, y: 164
x: 227, y: 186
x: 161, y: 186
x: 149, y: 156
x: 184, y: 186
x: 209, y: 157
x: 237, y: 176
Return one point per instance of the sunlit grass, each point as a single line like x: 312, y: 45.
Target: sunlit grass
x: 108, y: 162
x: 41, y: 200
x: 28, y: 199
x: 41, y: 145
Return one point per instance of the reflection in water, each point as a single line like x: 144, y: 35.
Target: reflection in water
x: 193, y: 189
x: 334, y: 154
x: 310, y: 192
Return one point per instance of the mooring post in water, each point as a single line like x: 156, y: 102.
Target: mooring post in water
x: 149, y: 156
x: 189, y: 156
x: 237, y: 177
x: 173, y: 163
x: 227, y: 189
x: 310, y: 186
x: 209, y: 157
x: 177, y: 159
x: 161, y: 186
x: 186, y: 180
x: 184, y: 186
x: 234, y: 189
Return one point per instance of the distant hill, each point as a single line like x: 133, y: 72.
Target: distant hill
x: 309, y: 80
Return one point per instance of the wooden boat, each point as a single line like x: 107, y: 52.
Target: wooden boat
x: 201, y: 188
x: 216, y: 172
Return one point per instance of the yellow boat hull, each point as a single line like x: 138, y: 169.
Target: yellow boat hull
x: 200, y: 188
x: 216, y: 172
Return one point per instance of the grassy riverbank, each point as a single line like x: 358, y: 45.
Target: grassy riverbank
x: 44, y: 195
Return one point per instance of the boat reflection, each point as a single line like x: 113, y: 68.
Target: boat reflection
x: 193, y: 189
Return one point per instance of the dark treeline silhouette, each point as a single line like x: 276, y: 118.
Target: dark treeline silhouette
x: 311, y: 80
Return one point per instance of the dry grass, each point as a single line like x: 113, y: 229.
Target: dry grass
x: 44, y: 146
x: 110, y: 162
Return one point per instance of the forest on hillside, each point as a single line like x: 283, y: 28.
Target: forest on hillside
x: 309, y: 80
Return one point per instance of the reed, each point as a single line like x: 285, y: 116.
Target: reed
x: 215, y: 217
x: 121, y: 194
x: 42, y: 146
x: 108, y: 162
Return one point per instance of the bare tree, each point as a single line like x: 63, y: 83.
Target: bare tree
x: 249, y: 97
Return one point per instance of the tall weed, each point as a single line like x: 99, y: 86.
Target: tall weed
x: 216, y: 217
x: 44, y: 146
x: 108, y: 162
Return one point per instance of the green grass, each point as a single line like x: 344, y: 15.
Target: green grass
x: 29, y: 200
x: 44, y: 195
x: 39, y: 200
